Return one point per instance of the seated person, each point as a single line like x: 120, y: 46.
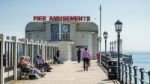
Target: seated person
x: 56, y: 59
x: 26, y: 61
x: 40, y: 63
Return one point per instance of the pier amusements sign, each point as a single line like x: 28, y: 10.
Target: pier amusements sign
x: 61, y: 18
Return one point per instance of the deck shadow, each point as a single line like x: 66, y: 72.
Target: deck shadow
x: 80, y: 71
x: 105, y: 80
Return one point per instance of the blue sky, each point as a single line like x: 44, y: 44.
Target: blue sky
x: 134, y: 14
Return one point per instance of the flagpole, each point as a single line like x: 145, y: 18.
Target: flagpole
x: 100, y: 38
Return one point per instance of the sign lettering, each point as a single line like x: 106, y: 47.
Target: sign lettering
x: 61, y: 18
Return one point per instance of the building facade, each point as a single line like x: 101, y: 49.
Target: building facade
x: 69, y: 35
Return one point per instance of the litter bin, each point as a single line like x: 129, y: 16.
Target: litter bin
x: 112, y: 69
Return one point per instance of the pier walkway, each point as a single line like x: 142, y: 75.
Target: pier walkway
x: 71, y: 72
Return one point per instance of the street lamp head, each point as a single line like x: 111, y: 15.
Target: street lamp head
x: 118, y: 26
x: 105, y: 34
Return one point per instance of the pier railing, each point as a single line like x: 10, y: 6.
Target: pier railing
x: 11, y: 50
x: 129, y: 74
x: 134, y: 75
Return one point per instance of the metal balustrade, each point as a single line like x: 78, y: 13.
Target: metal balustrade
x: 134, y: 75
x: 129, y: 74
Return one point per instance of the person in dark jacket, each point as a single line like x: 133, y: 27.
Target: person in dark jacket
x: 58, y: 53
x: 79, y: 55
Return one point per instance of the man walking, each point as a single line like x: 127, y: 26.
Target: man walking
x: 86, y: 58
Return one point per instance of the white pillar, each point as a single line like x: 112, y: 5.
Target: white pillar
x: 2, y: 68
x: 69, y: 52
x: 45, y: 51
x: 32, y: 52
x: 26, y: 47
x: 14, y: 38
x: 38, y: 48
x: 52, y: 54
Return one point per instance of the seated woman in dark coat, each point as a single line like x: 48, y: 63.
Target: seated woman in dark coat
x: 40, y: 64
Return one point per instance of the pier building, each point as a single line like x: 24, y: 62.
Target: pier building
x: 68, y: 32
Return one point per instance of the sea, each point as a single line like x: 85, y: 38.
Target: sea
x: 141, y: 60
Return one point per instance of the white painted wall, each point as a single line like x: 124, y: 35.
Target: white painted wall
x: 65, y: 50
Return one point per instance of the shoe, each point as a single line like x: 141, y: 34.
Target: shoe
x: 43, y: 75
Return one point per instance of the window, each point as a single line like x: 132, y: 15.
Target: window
x: 65, y: 32
x: 54, y: 32
x: 29, y: 35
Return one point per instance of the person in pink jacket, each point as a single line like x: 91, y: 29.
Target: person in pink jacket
x: 86, y: 58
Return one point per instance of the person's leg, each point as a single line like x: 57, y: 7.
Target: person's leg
x: 87, y: 63
x: 47, y: 67
x: 78, y: 59
x: 84, y: 60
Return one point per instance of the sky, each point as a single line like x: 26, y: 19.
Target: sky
x: 134, y: 14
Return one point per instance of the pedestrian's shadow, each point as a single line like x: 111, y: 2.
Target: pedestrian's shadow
x: 75, y: 63
x: 106, y: 80
x: 80, y: 71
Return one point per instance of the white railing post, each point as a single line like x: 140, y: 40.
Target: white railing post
x: 38, y: 47
x: 52, y: 53
x: 14, y: 38
x: 26, y: 47
x: 32, y: 52
x: 2, y: 67
x: 45, y: 51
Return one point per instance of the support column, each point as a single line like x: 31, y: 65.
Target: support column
x: 32, y: 52
x: 45, y: 51
x: 26, y: 47
x: 38, y: 48
x: 14, y: 38
x: 1, y: 54
x: 52, y: 52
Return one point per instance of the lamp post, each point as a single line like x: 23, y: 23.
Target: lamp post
x: 105, y: 34
x: 120, y: 46
x: 118, y: 27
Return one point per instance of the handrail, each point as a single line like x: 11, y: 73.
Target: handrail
x: 129, y: 74
x: 137, y: 76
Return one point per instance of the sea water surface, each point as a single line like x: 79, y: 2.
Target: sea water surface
x: 141, y: 60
